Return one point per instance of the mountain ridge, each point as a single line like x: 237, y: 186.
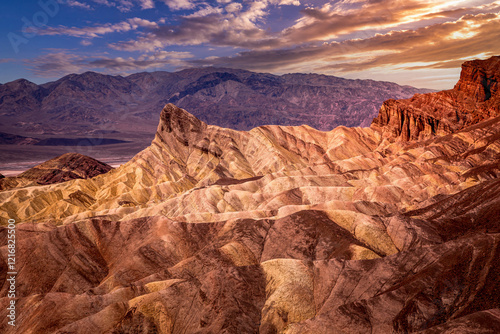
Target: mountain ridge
x: 231, y: 98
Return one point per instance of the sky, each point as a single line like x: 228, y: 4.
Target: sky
x: 412, y: 42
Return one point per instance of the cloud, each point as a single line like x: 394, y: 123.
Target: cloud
x: 179, y: 4
x: 61, y: 62
x: 74, y: 3
x: 235, y: 25
x: 347, y: 17
x: 233, y: 7
x: 121, y: 5
x: 243, y: 25
x: 205, y: 11
x: 443, y: 45
x: 96, y: 31
x: 147, y: 4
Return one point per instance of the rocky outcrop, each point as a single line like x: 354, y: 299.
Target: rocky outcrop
x: 480, y: 79
x: 474, y: 98
x: 63, y: 168
x: 66, y: 167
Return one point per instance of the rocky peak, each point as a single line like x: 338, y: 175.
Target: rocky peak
x: 480, y: 78
x: 66, y: 167
x: 63, y: 168
x: 175, y: 119
x: 178, y: 124
x: 474, y: 98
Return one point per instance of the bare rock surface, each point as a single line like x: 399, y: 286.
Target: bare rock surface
x: 63, y: 168
x: 474, y: 98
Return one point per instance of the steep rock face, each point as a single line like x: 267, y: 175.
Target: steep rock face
x: 66, y: 167
x: 480, y: 79
x: 474, y: 98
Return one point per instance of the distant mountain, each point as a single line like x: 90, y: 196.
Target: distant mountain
x: 238, y: 99
x: 9, y: 139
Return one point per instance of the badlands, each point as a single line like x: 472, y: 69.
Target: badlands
x: 393, y: 228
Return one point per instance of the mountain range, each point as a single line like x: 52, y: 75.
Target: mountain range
x: 237, y: 99
x: 392, y: 228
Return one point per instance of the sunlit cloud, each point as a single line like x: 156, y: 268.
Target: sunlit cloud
x: 436, y: 46
x: 78, y: 4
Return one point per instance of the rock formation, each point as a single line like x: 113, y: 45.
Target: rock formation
x: 474, y: 98
x: 273, y: 230
x: 66, y: 167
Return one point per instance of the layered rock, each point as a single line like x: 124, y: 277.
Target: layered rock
x: 213, y: 230
x: 292, y: 275
x: 474, y: 98
x: 63, y: 168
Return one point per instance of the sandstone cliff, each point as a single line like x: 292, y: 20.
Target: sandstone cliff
x: 474, y: 98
